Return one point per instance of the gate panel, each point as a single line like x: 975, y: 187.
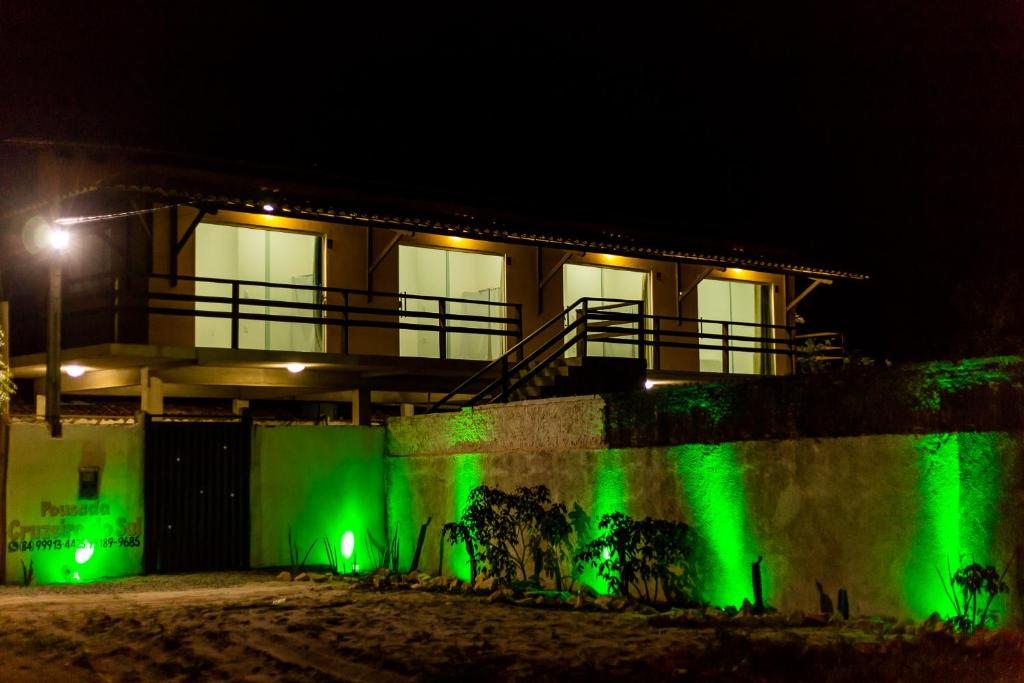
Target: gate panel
x: 197, y: 495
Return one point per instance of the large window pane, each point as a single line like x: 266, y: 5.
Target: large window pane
x: 264, y: 257
x: 477, y: 278
x: 744, y: 305
x: 598, y: 282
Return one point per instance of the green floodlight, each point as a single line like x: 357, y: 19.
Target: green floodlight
x: 83, y: 553
x: 348, y: 544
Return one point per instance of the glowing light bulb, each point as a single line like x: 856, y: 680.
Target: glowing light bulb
x: 648, y: 384
x: 84, y: 552
x: 73, y: 370
x: 348, y: 544
x: 295, y: 368
x: 268, y: 207
x: 76, y: 577
x: 59, y: 239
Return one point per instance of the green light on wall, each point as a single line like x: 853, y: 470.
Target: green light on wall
x: 960, y: 482
x: 712, y: 481
x: 466, y: 476
x: 469, y: 428
x: 610, y: 494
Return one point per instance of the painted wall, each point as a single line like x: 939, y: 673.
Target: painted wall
x: 345, y: 267
x: 320, y: 482
x: 875, y: 514
x: 49, y: 526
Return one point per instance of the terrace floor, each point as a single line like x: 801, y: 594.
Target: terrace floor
x: 247, y: 626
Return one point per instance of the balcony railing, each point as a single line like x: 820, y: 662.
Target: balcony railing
x: 107, y: 299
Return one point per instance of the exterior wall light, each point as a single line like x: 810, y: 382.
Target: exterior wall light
x: 58, y: 238
x: 348, y: 544
x: 73, y: 370
x: 295, y: 368
x: 83, y: 553
x: 648, y: 384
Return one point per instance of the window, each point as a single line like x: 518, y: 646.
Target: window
x: 265, y: 257
x: 600, y: 282
x: 477, y: 278
x: 744, y: 306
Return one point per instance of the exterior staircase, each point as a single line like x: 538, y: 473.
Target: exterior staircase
x: 577, y: 376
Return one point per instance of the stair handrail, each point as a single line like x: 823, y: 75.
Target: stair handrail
x: 503, y: 359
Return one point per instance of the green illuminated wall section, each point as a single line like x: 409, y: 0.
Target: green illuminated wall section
x: 711, y: 479
x: 47, y: 521
x: 610, y: 494
x: 465, y: 475
x: 960, y: 482
x: 321, y: 482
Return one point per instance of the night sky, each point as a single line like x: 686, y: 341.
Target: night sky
x: 883, y: 136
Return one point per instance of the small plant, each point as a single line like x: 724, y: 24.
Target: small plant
x: 6, y: 384
x: 332, y: 555
x: 636, y: 556
x: 517, y: 537
x: 385, y: 554
x: 970, y: 582
x: 27, y: 573
x: 293, y: 554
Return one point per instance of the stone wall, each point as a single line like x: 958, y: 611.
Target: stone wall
x: 874, y: 513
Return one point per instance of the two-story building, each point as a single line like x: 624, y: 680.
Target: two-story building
x: 192, y: 280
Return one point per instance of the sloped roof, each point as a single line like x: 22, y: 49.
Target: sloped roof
x: 168, y: 178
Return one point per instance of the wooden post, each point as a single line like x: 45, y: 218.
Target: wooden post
x: 442, y: 341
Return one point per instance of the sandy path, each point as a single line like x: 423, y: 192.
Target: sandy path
x: 248, y: 628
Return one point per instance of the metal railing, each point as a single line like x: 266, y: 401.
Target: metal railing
x: 346, y: 309
x: 596, y: 320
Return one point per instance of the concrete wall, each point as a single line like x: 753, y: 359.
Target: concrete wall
x: 320, y: 482
x: 47, y: 522
x: 874, y: 513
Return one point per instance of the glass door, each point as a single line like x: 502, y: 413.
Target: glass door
x: 266, y: 257
x: 475, y: 278
x: 745, y: 306
x: 601, y: 282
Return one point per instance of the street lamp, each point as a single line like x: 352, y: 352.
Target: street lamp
x: 59, y: 241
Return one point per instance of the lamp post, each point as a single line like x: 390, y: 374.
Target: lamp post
x: 59, y: 241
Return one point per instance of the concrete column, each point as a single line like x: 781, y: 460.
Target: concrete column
x: 407, y: 410
x: 40, y: 405
x: 238, y: 405
x: 152, y: 393
x: 361, y: 407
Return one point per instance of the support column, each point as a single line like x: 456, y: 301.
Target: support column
x: 152, y: 391
x: 238, y: 405
x: 407, y: 409
x: 53, y: 314
x: 361, y: 407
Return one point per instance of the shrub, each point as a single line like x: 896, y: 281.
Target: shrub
x: 636, y: 556
x: 508, y: 533
x: 971, y: 581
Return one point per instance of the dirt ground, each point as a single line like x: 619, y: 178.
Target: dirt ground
x: 247, y: 626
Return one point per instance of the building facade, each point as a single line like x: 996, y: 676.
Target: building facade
x: 196, y: 280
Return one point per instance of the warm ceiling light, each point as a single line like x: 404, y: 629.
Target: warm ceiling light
x: 295, y: 368
x: 59, y: 239
x: 73, y: 370
x: 268, y: 207
x: 736, y: 271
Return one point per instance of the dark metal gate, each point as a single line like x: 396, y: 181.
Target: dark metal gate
x: 197, y: 495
